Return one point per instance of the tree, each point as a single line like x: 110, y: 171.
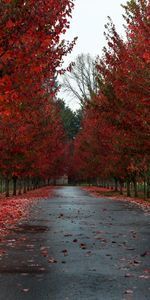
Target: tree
x: 81, y: 81
x: 71, y: 120
x: 121, y: 104
x: 31, y: 54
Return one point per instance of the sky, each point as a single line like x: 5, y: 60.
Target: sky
x: 88, y: 20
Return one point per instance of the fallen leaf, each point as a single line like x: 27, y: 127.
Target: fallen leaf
x: 25, y: 290
x: 128, y: 292
x: 127, y: 275
x: 65, y: 251
x: 144, y: 254
x: 67, y: 234
x: 61, y: 215
x: 83, y: 246
x: 147, y: 271
x: 52, y: 260
x: 144, y: 276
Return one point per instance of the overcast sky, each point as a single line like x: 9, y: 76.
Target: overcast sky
x: 87, y: 23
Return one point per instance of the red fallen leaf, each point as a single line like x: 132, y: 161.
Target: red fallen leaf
x: 83, y: 246
x: 2, y: 252
x: 75, y: 240
x: 144, y: 254
x: 147, y: 271
x: 44, y: 253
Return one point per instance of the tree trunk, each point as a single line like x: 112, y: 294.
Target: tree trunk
x: 148, y: 185
x: 24, y: 186
x: 34, y: 183
x: 1, y: 190
x: 14, y: 186
x: 7, y: 187
x: 121, y: 188
x: 116, y: 185
x: 144, y: 188
x: 135, y: 188
x: 128, y: 189
x: 20, y: 187
x: 28, y: 184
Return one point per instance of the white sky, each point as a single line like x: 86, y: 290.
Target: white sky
x: 87, y: 23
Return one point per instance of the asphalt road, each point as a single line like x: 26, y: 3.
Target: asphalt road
x: 75, y: 246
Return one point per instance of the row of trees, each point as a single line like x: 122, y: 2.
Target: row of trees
x: 32, y: 139
x: 114, y: 142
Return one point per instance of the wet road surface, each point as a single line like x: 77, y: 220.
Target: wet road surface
x: 75, y: 246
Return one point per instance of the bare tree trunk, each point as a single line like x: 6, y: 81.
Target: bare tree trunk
x: 148, y: 181
x: 24, y: 186
x: 116, y: 185
x: 128, y: 189
x: 20, y: 187
x: 14, y: 186
x: 144, y: 188
x: 6, y: 187
x: 121, y: 188
x: 107, y: 185
x: 135, y: 188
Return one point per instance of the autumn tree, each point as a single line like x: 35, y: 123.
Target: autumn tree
x: 122, y: 101
x: 31, y: 54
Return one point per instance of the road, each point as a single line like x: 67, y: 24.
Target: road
x: 75, y: 246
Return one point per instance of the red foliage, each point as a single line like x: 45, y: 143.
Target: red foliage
x: 114, y: 140
x: 31, y: 51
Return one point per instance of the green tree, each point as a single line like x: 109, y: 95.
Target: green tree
x: 71, y: 120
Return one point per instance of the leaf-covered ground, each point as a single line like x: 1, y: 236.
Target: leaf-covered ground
x: 98, y: 192
x: 13, y: 209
